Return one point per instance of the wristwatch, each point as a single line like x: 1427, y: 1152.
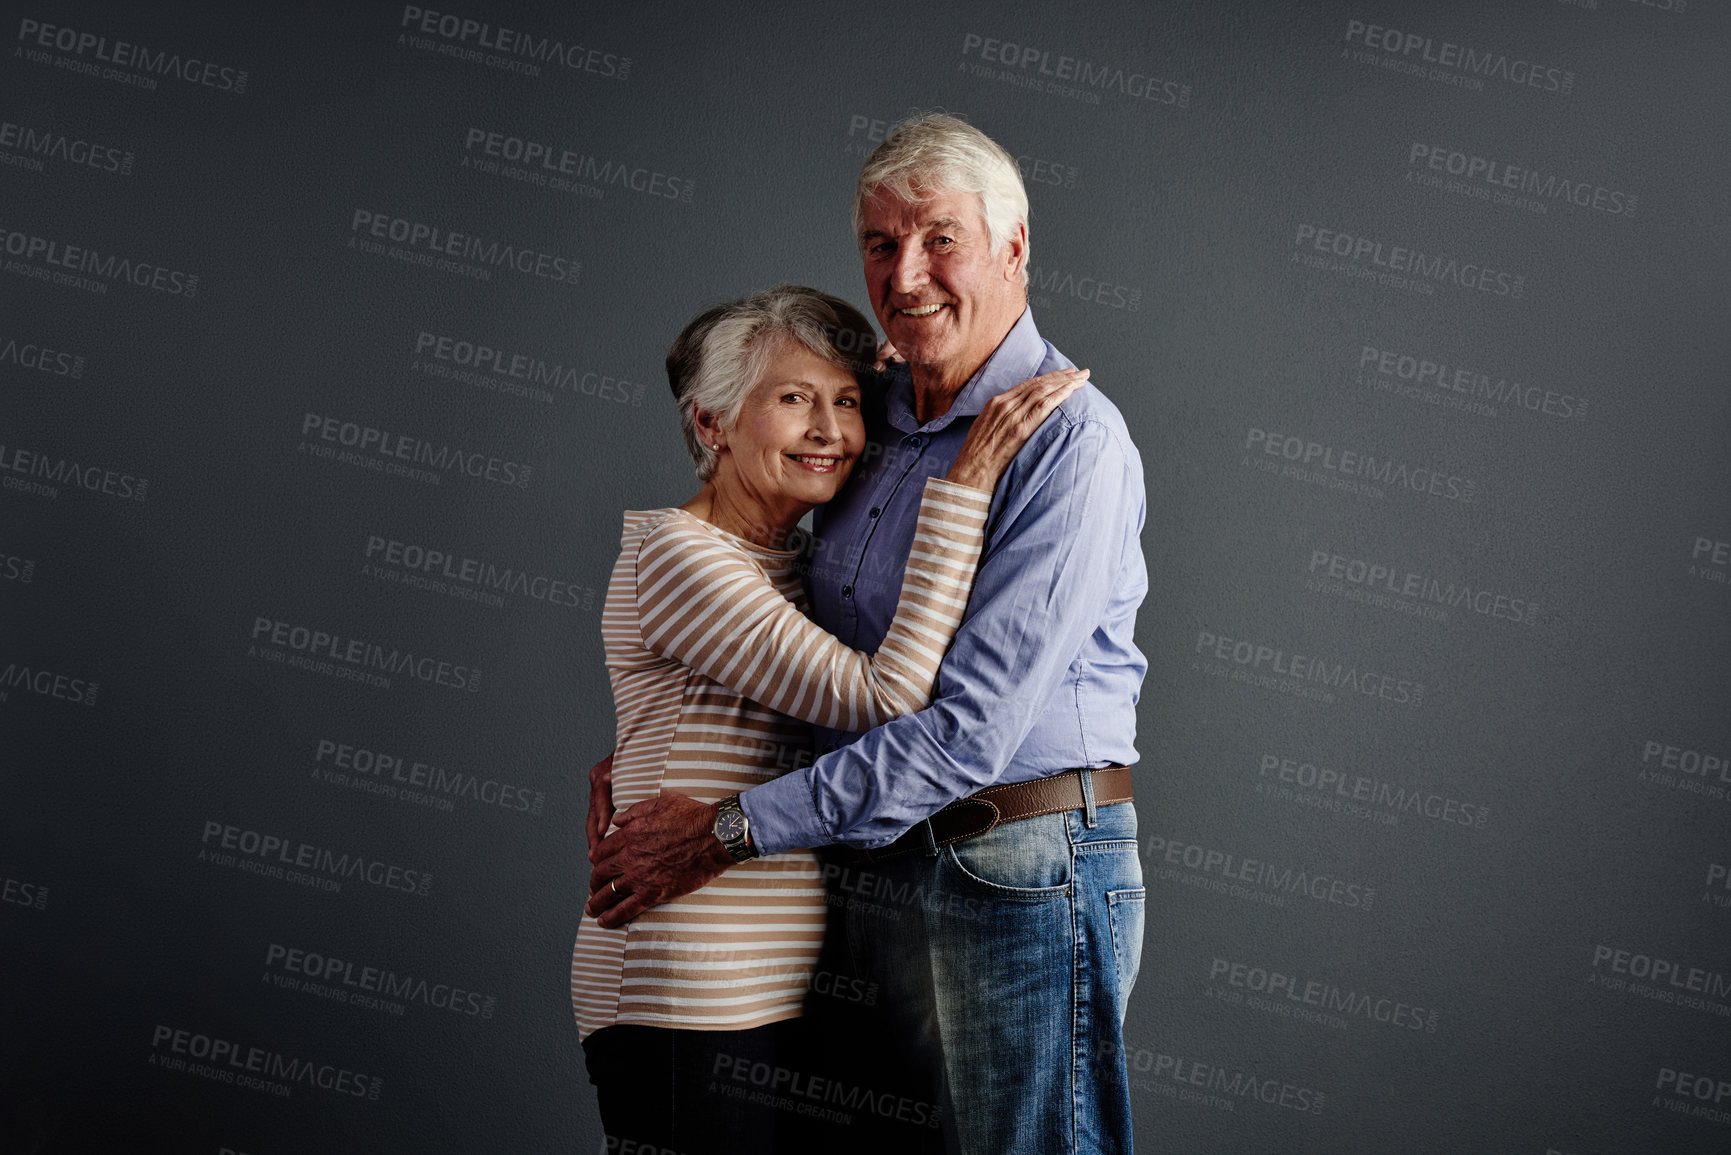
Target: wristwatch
x: 733, y: 828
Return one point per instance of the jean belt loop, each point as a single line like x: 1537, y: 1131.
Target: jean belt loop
x: 1090, y: 813
x: 931, y: 839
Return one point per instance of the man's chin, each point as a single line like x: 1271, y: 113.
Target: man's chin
x: 916, y: 350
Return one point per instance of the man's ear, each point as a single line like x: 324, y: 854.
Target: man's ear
x: 1016, y: 253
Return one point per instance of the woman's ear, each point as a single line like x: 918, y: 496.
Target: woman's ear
x: 709, y: 429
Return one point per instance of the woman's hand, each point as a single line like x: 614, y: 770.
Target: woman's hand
x: 1006, y: 423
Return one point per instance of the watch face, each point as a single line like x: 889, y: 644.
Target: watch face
x: 730, y: 825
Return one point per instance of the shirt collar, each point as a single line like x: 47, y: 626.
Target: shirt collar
x: 1018, y: 357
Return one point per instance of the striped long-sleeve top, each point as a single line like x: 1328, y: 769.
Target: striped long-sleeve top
x: 716, y: 672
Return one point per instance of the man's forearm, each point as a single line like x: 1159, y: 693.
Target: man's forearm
x: 1053, y: 569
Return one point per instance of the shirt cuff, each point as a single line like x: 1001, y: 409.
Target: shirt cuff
x: 980, y: 499
x: 782, y: 814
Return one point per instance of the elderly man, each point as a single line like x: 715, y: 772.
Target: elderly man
x: 993, y: 897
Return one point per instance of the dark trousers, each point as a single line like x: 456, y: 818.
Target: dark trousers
x: 665, y: 1091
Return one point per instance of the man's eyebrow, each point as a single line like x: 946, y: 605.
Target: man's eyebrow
x: 947, y: 224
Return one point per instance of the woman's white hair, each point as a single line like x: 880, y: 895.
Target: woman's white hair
x: 935, y: 151
x: 722, y: 354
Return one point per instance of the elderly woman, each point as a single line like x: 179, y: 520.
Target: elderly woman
x: 716, y: 674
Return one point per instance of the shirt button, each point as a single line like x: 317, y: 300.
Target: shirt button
x: 876, y: 510
x: 916, y: 442
x: 847, y: 591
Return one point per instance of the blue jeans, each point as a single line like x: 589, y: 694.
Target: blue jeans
x: 1002, y: 967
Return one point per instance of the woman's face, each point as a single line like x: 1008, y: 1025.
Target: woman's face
x: 798, y: 435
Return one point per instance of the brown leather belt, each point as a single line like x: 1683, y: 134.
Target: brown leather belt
x: 995, y: 805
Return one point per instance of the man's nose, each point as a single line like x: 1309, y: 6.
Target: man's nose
x: 911, y: 270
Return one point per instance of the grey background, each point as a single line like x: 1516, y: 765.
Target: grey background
x: 1190, y: 210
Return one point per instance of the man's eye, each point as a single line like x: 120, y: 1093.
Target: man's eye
x: 850, y: 401
x: 942, y: 242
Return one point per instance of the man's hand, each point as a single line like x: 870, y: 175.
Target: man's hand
x: 664, y: 848
x: 600, y: 803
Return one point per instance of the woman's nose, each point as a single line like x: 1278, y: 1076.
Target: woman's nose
x: 824, y: 426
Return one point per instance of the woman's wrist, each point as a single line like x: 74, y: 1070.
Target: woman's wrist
x: 972, y: 476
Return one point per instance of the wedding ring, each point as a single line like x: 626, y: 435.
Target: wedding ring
x: 613, y: 885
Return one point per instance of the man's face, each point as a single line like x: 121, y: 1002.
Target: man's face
x: 943, y: 298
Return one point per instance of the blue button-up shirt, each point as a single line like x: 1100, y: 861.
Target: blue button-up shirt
x: 1044, y: 673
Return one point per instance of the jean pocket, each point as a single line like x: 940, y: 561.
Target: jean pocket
x: 1027, y: 859
x: 1126, y: 910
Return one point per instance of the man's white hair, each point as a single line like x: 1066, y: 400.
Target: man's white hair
x: 929, y: 153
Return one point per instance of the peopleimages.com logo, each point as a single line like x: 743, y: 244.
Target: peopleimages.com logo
x: 1462, y: 65
x: 50, y: 471
x: 371, y: 987
x: 1255, y: 879
x: 1284, y: 992
x: 1042, y: 70
x: 449, y: 250
x: 1356, y: 470
x: 29, y: 146
x: 400, y: 454
x: 1207, y: 1082
x: 17, y: 892
x: 1489, y: 178
x: 496, y: 46
x: 257, y: 1068
x: 398, y: 776
x: 453, y: 573
x: 1400, y: 266
x: 513, y: 371
x: 1274, y: 666
x: 327, y: 869
x: 92, y: 54
x: 361, y: 655
x: 41, y: 358
x: 557, y: 166
x: 1442, y: 380
x: 18, y: 677
x: 1328, y: 788
x: 1390, y: 585
x: 17, y: 569
x: 79, y: 266
x: 1699, y: 1096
